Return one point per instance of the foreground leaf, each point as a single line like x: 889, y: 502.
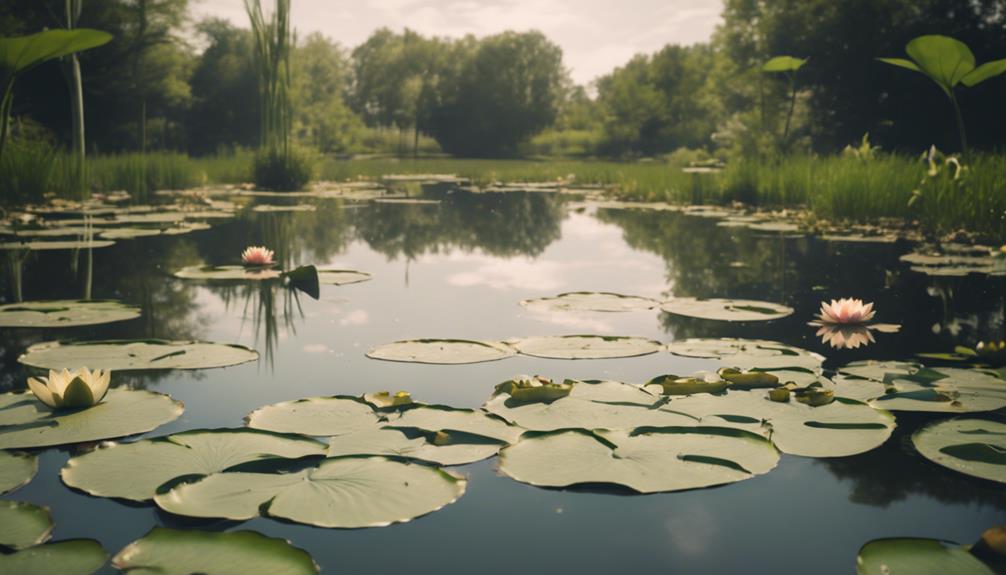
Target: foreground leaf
x: 23, y: 524
x: 73, y: 557
x: 128, y: 355
x: 911, y: 556
x: 65, y: 313
x: 16, y: 470
x: 974, y: 447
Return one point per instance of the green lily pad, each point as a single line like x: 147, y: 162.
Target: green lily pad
x: 443, y: 448
x: 65, y: 313
x: 904, y: 386
x: 911, y: 556
x: 975, y: 447
x: 228, y: 273
x: 442, y: 351
x: 318, y: 416
x: 23, y: 524
x: 72, y: 557
x: 342, y: 277
x: 726, y: 309
x: 748, y: 353
x: 66, y: 245
x: 16, y: 470
x: 956, y: 260
x: 586, y: 346
x: 646, y: 460
x: 135, y: 470
x: 25, y: 422
x: 133, y: 233
x: 186, y: 552
x: 343, y: 492
x: 280, y: 208
x: 452, y: 419
x: 136, y: 354
x: 590, y: 301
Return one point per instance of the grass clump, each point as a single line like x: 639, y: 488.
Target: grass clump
x: 277, y: 170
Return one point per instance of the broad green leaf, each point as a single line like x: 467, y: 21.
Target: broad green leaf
x: 442, y: 448
x: 984, y: 72
x: 906, y: 386
x: 901, y: 62
x: 72, y: 557
x: 748, y: 353
x: 318, y: 416
x: 726, y: 309
x: 586, y: 346
x: 186, y: 552
x: 23, y: 524
x: 910, y: 556
x: 304, y: 278
x: 22, y: 53
x: 343, y: 492
x: 590, y: 301
x: 448, y: 419
x: 26, y: 423
x: 646, y: 460
x: 975, y: 447
x: 65, y: 313
x: 135, y: 470
x: 16, y: 470
x: 783, y: 64
x: 129, y: 355
x: 946, y: 60
x: 442, y: 351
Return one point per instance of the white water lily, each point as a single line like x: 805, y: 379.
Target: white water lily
x: 69, y: 389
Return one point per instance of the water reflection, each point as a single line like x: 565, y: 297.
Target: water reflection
x: 845, y: 336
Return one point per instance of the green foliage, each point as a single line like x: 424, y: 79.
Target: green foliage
x: 275, y: 170
x: 26, y: 171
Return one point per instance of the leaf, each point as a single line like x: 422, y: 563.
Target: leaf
x: 135, y: 470
x: 586, y: 346
x: 66, y: 245
x: 984, y: 72
x: 911, y: 556
x: 184, y: 552
x: 72, y: 557
x: 783, y: 64
x: 905, y: 386
x: 748, y: 353
x: 442, y: 448
x: 65, y: 313
x: 442, y: 351
x: 23, y: 524
x: 975, y: 447
x: 129, y: 355
x: 16, y: 470
x: 902, y: 63
x: 228, y: 273
x: 342, y: 277
x: 726, y: 309
x: 583, y: 301
x: 305, y: 278
x: 22, y: 53
x: 946, y: 60
x: 317, y: 416
x: 443, y: 418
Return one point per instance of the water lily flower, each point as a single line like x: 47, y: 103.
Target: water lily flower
x: 70, y: 389
x: 846, y: 311
x: 257, y: 256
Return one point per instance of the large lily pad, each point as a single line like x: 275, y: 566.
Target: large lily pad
x: 590, y: 301
x: 23, y: 524
x: 185, y: 552
x: 748, y: 353
x: 586, y: 346
x: 73, y: 557
x: 975, y: 447
x: 136, y: 354
x: 65, y: 313
x: 228, y: 273
x: 334, y: 277
x: 646, y: 460
x: 55, y: 245
x: 726, y: 309
x: 16, y: 470
x: 441, y: 418
x: 443, y: 448
x: 269, y: 208
x: 25, y: 422
x: 318, y: 416
x: 135, y: 470
x: 912, y: 556
x: 442, y: 351
x: 345, y: 492
x: 906, y: 386
x: 956, y: 260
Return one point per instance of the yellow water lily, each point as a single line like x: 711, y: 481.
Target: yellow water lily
x: 69, y: 389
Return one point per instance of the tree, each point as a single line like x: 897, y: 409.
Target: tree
x: 321, y: 82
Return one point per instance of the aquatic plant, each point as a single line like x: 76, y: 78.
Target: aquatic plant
x: 257, y: 256
x: 846, y: 311
x: 71, y: 389
x: 789, y: 66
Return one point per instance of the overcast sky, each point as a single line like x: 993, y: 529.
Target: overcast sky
x: 595, y: 35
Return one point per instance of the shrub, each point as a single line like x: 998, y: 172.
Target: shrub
x: 274, y: 170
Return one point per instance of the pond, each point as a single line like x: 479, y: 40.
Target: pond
x: 457, y: 266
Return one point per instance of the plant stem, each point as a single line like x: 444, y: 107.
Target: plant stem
x: 5, y: 110
x: 960, y: 124
x: 792, y: 106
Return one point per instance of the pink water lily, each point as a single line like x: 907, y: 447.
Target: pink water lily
x: 846, y: 311
x: 257, y: 256
x: 845, y: 336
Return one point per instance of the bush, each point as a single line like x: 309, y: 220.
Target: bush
x: 26, y: 170
x: 274, y: 170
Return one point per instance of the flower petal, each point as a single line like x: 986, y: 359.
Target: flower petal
x: 42, y: 392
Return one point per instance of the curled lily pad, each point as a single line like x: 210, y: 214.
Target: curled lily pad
x: 25, y: 422
x: 136, y: 354
x: 674, y: 385
x: 184, y: 552
x: 72, y: 557
x: 16, y: 470
x: 23, y: 524
x: 590, y: 301
x: 442, y: 351
x: 726, y: 309
x: 54, y: 245
x: 912, y: 556
x: 318, y: 416
x: 135, y: 470
x: 748, y: 353
x: 440, y: 447
x: 646, y: 460
x: 344, y: 492
x: 334, y: 277
x: 905, y: 386
x: 535, y: 389
x: 65, y: 313
x: 228, y: 273
x: 586, y: 346
x: 975, y: 447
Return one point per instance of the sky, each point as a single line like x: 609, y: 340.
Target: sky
x: 595, y: 35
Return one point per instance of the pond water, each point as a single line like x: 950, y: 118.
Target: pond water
x: 458, y: 269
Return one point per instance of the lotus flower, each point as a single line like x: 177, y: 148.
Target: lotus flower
x: 70, y: 389
x: 257, y: 256
x: 846, y: 311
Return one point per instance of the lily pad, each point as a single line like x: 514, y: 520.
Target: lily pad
x: 65, y: 313
x: 586, y: 346
x: 184, y: 552
x: 133, y: 233
x: 912, y: 556
x: 975, y: 447
x: 726, y: 309
x: 905, y: 386
x: 23, y: 524
x: 590, y: 301
x: 441, y: 418
x: 748, y: 353
x: 280, y: 208
x: 228, y: 273
x: 956, y: 260
x: 443, y: 448
x: 16, y: 470
x: 135, y: 470
x: 71, y: 557
x: 342, y: 277
x: 25, y: 422
x: 442, y: 351
x: 646, y: 460
x: 343, y: 492
x: 318, y: 416
x: 66, y: 245
x: 135, y: 354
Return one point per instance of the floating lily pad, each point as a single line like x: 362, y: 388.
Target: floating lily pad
x: 67, y: 245
x: 443, y: 448
x: 748, y: 353
x: 25, y: 422
x: 342, y: 277
x: 975, y: 447
x: 185, y: 552
x: 16, y: 470
x: 133, y: 354
x: 646, y: 460
x: 903, y: 386
x: 133, y: 233
x: 442, y: 351
x: 911, y: 556
x: 441, y: 418
x: 344, y: 492
x: 590, y: 301
x: 291, y: 208
x: 228, y: 273
x: 135, y: 470
x: 956, y: 260
x: 65, y: 313
x: 726, y: 309
x: 586, y: 346
x: 23, y: 524
x: 72, y: 557
x: 318, y: 416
